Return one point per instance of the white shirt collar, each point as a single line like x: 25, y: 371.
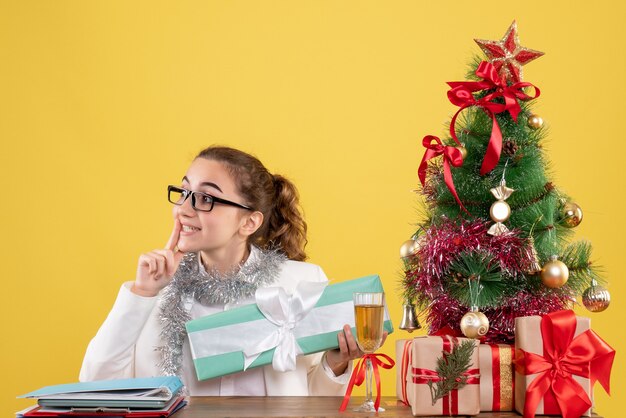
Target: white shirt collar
x: 253, y: 256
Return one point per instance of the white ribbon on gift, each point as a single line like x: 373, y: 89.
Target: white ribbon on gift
x: 285, y: 312
x: 225, y: 339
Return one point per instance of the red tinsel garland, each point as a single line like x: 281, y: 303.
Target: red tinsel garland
x: 441, y: 245
x: 447, y: 311
x: 445, y: 240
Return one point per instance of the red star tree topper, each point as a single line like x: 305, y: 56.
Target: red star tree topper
x: 507, y: 55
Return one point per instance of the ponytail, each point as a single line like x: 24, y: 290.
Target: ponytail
x: 286, y: 224
x: 283, y: 228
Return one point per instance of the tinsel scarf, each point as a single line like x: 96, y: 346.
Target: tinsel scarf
x: 192, y: 283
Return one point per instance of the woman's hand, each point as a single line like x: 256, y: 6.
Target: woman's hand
x: 348, y: 350
x: 156, y: 268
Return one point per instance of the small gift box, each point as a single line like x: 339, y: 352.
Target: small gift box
x: 431, y: 390
x: 277, y: 328
x: 496, y: 377
x: 557, y: 361
x: 403, y: 362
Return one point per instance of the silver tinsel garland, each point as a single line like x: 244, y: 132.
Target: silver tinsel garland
x: 190, y: 282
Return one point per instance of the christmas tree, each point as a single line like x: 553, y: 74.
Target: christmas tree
x: 495, y: 244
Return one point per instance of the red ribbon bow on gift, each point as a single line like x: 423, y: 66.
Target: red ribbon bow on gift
x: 451, y: 156
x: 461, y: 94
x: 358, y: 376
x: 587, y: 355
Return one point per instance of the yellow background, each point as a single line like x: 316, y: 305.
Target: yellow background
x: 103, y: 103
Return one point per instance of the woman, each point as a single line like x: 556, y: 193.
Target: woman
x: 236, y: 228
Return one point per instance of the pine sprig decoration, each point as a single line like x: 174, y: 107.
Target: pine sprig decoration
x: 451, y: 368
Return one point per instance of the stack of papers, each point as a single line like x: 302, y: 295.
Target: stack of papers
x: 141, y: 397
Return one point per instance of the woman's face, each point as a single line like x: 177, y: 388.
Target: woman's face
x: 220, y: 228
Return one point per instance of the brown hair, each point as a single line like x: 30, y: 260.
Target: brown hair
x: 273, y: 195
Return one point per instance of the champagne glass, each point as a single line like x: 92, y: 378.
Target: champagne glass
x: 369, y: 315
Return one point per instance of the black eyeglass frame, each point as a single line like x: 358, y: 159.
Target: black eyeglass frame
x: 186, y: 193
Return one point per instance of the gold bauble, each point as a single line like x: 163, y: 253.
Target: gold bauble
x: 596, y: 298
x: 571, y: 214
x: 474, y: 324
x: 535, y: 121
x: 463, y: 151
x: 500, y: 211
x: 409, y: 248
x: 554, y: 273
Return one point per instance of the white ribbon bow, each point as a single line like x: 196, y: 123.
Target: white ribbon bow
x: 285, y: 312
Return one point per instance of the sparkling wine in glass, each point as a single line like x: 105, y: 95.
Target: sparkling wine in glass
x: 369, y: 316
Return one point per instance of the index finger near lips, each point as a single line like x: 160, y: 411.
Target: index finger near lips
x: 173, y: 241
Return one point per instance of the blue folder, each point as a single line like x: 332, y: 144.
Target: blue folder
x: 149, y: 392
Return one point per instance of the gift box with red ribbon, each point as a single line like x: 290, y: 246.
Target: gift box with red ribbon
x: 557, y: 361
x: 496, y: 377
x: 403, y: 362
x: 422, y: 379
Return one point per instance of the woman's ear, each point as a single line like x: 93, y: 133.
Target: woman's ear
x: 252, y: 223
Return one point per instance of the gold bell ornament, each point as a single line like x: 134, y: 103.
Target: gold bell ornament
x: 409, y: 320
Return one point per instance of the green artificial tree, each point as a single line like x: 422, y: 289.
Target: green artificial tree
x: 496, y: 238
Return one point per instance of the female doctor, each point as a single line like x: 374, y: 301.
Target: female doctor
x: 237, y: 227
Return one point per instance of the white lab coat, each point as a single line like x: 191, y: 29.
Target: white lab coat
x: 125, y: 347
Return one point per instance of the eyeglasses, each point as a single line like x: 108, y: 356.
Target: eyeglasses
x: 199, y: 201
